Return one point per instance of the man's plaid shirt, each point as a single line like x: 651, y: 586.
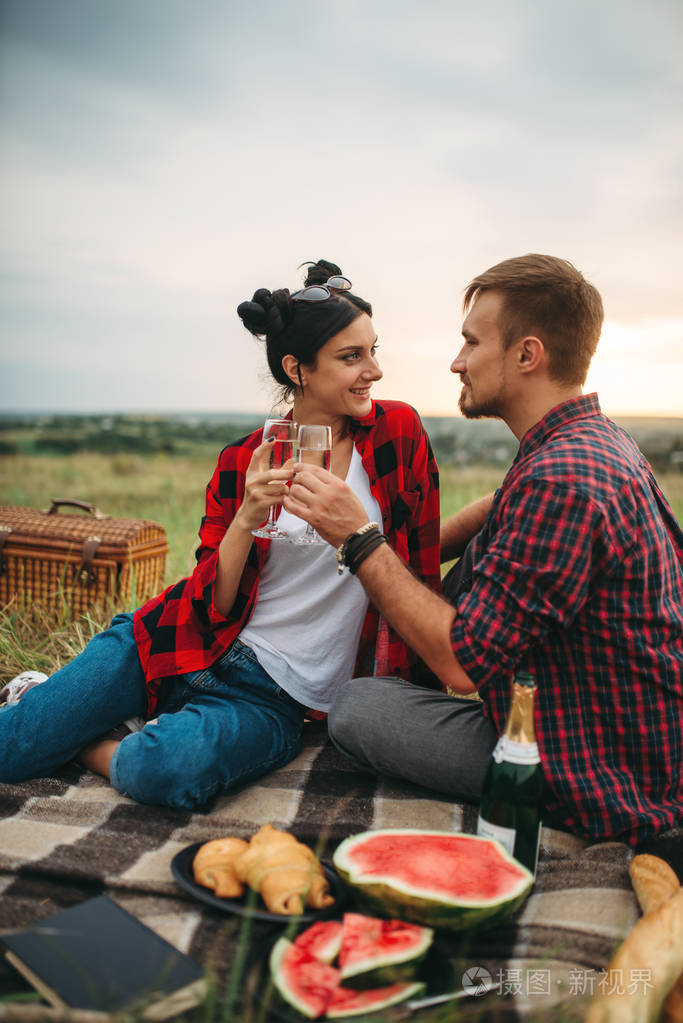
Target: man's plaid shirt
x: 181, y: 631
x: 578, y: 578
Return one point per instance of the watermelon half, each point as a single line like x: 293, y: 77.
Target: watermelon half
x: 434, y: 878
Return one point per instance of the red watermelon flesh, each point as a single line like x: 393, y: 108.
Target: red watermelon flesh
x: 419, y: 861
x: 322, y: 940
x: 375, y: 952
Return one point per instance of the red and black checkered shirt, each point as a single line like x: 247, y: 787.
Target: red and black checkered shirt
x: 181, y: 630
x: 578, y: 578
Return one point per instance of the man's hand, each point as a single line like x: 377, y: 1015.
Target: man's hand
x: 326, y: 502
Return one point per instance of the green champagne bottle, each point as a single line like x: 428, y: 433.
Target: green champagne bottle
x: 510, y: 808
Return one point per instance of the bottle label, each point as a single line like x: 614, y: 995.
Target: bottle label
x: 506, y: 836
x: 516, y: 752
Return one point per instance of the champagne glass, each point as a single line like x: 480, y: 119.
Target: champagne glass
x: 315, y: 448
x: 282, y: 450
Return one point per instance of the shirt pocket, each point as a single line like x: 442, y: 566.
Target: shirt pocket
x: 403, y: 508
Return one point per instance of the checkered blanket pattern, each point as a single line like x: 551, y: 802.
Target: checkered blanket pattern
x: 70, y: 837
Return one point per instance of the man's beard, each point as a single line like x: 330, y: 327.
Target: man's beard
x: 484, y: 410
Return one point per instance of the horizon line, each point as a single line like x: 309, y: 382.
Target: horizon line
x: 6, y: 412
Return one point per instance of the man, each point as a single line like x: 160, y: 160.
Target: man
x: 575, y: 576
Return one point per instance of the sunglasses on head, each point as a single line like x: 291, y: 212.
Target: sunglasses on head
x: 321, y: 292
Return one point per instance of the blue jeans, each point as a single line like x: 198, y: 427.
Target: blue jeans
x: 216, y: 728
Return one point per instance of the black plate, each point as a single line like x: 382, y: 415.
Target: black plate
x: 436, y: 971
x: 251, y: 904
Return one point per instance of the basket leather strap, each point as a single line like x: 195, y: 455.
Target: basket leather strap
x: 86, y: 574
x: 4, y: 534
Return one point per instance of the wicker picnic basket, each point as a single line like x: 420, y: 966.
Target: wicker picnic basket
x: 72, y: 562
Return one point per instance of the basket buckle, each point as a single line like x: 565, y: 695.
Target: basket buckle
x: 86, y: 574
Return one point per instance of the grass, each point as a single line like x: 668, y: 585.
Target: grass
x: 169, y: 490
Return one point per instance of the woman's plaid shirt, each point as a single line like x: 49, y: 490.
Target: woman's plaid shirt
x: 181, y: 630
x: 578, y: 578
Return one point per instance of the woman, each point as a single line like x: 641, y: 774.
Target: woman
x: 226, y: 664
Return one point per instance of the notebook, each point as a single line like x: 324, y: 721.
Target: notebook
x: 98, y: 956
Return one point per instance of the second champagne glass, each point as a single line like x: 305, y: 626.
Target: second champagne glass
x: 282, y: 450
x: 315, y: 448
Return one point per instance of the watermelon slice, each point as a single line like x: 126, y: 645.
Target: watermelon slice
x: 433, y: 878
x: 314, y: 988
x: 375, y: 952
x: 345, y: 1002
x: 304, y: 982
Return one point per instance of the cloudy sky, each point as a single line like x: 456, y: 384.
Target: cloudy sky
x: 161, y: 159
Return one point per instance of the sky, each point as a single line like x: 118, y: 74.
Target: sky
x: 162, y: 159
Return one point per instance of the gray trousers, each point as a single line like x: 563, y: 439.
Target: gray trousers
x: 392, y: 727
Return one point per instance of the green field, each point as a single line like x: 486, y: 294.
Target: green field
x: 170, y: 490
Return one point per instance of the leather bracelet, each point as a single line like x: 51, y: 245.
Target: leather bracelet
x: 343, y: 549
x: 368, y: 548
x: 358, y: 544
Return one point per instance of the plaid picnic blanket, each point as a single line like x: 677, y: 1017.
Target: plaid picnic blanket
x: 71, y: 836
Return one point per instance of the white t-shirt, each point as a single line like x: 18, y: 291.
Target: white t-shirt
x: 307, y: 622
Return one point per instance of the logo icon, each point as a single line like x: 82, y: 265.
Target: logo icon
x: 477, y: 980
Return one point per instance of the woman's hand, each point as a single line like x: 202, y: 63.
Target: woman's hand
x: 326, y: 502
x: 264, y: 487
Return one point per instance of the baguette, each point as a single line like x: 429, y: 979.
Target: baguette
x: 653, y: 946
x: 653, y: 881
x: 672, y: 1011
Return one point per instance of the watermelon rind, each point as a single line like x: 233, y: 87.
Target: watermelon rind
x: 387, y: 895
x: 373, y: 1001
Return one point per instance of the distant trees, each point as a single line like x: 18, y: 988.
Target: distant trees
x: 456, y: 441
x: 117, y: 434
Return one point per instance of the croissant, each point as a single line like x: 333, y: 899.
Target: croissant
x: 214, y: 866
x: 285, y: 872
x: 654, y: 944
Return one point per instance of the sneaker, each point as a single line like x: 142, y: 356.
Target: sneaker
x: 135, y: 724
x: 21, y: 684
x: 124, y: 729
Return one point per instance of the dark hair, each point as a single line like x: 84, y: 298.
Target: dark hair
x: 299, y: 328
x: 549, y: 297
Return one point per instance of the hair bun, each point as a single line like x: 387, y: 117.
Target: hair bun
x: 268, y: 312
x: 319, y: 272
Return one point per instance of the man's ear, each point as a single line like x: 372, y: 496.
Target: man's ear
x: 292, y: 368
x: 530, y: 353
